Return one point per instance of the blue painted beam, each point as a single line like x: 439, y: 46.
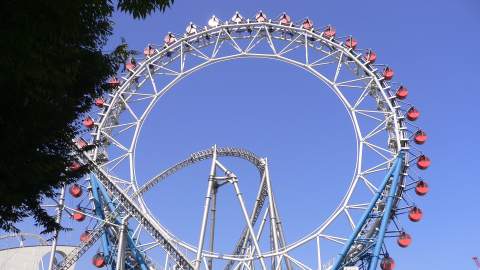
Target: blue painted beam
x: 386, y: 216
x: 99, y: 213
x: 397, y: 163
x: 136, y: 253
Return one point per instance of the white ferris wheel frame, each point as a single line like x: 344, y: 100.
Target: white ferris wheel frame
x: 230, y: 34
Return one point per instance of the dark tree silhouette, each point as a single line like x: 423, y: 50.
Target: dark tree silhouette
x: 51, y: 68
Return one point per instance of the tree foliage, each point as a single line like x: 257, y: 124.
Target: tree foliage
x: 52, y: 67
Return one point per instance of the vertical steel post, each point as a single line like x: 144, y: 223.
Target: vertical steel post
x: 213, y: 209
x: 206, y: 208
x: 122, y: 235
x: 60, y: 206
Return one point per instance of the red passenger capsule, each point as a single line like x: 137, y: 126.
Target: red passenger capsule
x: 387, y: 263
x: 80, y: 143
x: 85, y: 236
x: 74, y: 166
x: 329, y: 32
x: 99, y: 102
x: 404, y: 240
x: 76, y: 190
x: 113, y: 82
x: 148, y: 51
x: 402, y: 92
x: 420, y: 137
x: 169, y: 39
x: 388, y: 73
x: 261, y: 17
x: 78, y: 215
x: 415, y: 214
x: 351, y: 43
x: 413, y: 114
x: 130, y: 66
x: 88, y: 122
x: 307, y: 24
x: 421, y: 188
x: 99, y: 260
x: 285, y: 19
x: 371, y: 56
x: 423, y: 162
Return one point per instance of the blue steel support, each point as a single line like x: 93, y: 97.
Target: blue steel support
x: 391, y: 172
x: 99, y: 213
x: 136, y: 253
x: 386, y: 217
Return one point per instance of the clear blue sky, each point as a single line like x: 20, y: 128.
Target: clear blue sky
x: 432, y: 47
x: 276, y: 111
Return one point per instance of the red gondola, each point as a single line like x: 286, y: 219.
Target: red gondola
x: 78, y: 215
x: 371, y: 56
x: 85, y: 236
x: 388, y: 73
x: 130, y: 66
x: 88, y: 122
x: 387, y: 263
x: 285, y: 19
x: 329, y: 32
x: 148, y: 51
x: 351, y: 43
x: 420, y: 137
x: 261, y: 17
x: 74, y: 166
x: 80, y: 143
x: 75, y: 190
x: 413, y: 114
x: 404, y: 240
x: 402, y: 92
x: 113, y: 82
x: 99, y: 102
x: 423, y: 162
x: 169, y: 39
x: 415, y: 214
x: 421, y: 188
x: 307, y: 24
x: 99, y: 260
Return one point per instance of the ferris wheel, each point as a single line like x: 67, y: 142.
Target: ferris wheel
x: 110, y: 200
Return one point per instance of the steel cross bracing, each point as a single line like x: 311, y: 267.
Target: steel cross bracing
x: 359, y: 245
x: 194, y: 158
x: 226, y: 39
x: 133, y: 210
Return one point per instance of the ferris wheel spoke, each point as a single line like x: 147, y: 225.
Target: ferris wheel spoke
x: 199, y: 54
x: 218, y: 44
x: 232, y: 41
x: 350, y: 219
x: 288, y: 48
x: 321, y: 60
x: 339, y: 67
x: 269, y: 39
x: 369, y: 115
x: 361, y: 98
x: 255, y: 40
x: 379, y: 128
x: 369, y: 184
x: 377, y: 168
x: 375, y: 149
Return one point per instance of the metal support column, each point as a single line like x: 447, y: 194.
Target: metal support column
x: 122, y: 235
x: 60, y: 206
x: 394, y: 169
